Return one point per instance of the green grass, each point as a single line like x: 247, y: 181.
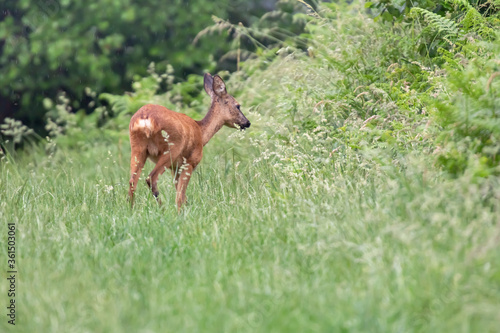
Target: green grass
x: 357, y: 249
x: 330, y: 214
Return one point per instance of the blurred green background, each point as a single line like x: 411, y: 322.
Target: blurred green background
x: 49, y: 46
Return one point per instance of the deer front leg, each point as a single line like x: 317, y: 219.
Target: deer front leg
x: 183, y: 177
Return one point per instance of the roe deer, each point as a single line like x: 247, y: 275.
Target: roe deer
x: 175, y: 141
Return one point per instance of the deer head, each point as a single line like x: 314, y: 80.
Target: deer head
x: 224, y: 106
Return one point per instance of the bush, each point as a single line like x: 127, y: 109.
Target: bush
x: 468, y: 109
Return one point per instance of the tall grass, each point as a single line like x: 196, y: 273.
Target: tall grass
x: 329, y: 214
x: 356, y: 249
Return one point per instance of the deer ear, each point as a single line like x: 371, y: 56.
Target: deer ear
x: 208, y: 82
x: 219, y: 86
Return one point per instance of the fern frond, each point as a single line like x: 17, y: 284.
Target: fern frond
x: 472, y: 20
x: 440, y: 23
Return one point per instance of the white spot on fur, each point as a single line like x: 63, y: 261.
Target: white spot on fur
x: 145, y: 125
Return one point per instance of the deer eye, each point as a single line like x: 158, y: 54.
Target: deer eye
x: 238, y: 107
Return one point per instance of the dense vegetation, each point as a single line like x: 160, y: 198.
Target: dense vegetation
x: 365, y: 196
x: 102, y: 45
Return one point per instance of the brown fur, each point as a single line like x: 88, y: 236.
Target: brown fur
x: 175, y: 141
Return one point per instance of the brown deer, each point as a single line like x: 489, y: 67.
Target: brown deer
x: 175, y: 141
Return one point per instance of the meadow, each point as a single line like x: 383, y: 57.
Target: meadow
x: 356, y: 201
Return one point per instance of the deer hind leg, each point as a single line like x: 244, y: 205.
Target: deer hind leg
x: 163, y: 163
x: 182, y: 178
x: 137, y: 161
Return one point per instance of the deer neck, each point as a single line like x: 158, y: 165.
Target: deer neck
x: 210, y: 124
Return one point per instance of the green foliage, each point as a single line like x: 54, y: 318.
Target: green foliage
x: 351, y: 92
x: 278, y: 27
x: 398, y: 10
x: 444, y: 26
x: 146, y: 90
x: 50, y: 46
x: 470, y: 114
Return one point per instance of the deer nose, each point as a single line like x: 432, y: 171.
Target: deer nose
x: 245, y: 125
